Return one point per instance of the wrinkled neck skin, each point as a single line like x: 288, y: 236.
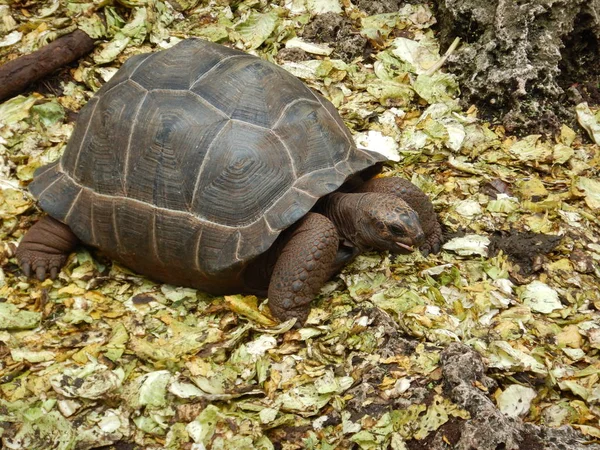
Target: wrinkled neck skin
x: 347, y: 212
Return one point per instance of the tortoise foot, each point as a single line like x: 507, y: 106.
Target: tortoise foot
x: 40, y: 264
x: 281, y: 313
x: 433, y: 241
x: 45, y: 248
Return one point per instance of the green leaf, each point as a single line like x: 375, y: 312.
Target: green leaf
x: 16, y: 109
x: 201, y: 430
x: 49, y: 112
x: 323, y: 6
x: 257, y: 28
x: 12, y: 318
x: 153, y: 390
x: 390, y: 93
x: 379, y: 26
x: 43, y: 431
x: 436, y: 88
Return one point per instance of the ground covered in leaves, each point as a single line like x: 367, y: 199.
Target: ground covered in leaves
x: 494, y: 343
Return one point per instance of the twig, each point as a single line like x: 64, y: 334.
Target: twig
x: 19, y: 73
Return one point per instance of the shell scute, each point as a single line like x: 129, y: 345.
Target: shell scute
x: 250, y: 90
x: 315, y: 142
x: 248, y: 171
x: 179, y: 67
x: 96, y: 155
x: 168, y: 146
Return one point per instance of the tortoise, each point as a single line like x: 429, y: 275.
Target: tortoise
x: 207, y: 167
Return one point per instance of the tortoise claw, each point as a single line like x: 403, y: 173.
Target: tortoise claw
x: 41, y: 270
x: 41, y: 266
x: 26, y: 268
x: 40, y: 273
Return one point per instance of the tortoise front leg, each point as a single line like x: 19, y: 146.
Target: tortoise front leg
x: 418, y: 201
x: 305, y: 264
x: 344, y: 256
x: 45, y: 248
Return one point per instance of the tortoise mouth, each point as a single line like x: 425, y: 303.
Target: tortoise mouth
x: 403, y: 248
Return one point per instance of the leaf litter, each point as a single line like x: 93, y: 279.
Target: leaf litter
x: 103, y: 356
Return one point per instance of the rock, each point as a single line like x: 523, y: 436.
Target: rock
x: 518, y: 59
x: 465, y: 383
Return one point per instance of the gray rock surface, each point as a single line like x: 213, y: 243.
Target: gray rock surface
x: 488, y: 428
x: 524, y: 62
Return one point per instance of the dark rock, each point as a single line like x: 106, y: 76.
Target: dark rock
x: 488, y: 428
x: 519, y: 58
x: 526, y: 249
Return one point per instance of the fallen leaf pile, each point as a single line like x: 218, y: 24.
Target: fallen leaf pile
x: 102, y: 355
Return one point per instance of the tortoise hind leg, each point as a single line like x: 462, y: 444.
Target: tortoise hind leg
x: 45, y: 248
x: 306, y: 262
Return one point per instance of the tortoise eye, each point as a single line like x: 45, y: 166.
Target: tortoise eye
x: 397, y: 230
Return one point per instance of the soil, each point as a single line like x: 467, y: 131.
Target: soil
x: 52, y: 85
x: 339, y: 32
x: 466, y: 383
x: 450, y: 432
x: 580, y: 65
x: 289, y: 437
x: 372, y: 7
x: 292, y: 54
x: 526, y: 249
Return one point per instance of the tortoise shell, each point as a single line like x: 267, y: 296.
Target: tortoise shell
x: 190, y: 162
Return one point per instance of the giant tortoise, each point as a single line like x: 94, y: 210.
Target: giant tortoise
x: 207, y: 167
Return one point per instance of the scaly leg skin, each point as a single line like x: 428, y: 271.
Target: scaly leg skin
x: 45, y: 248
x: 303, y: 267
x: 344, y: 256
x: 418, y: 201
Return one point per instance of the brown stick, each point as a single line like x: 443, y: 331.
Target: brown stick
x: 19, y: 73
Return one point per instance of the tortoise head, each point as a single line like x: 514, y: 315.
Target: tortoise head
x: 388, y: 223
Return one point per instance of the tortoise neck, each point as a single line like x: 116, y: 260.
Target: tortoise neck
x: 346, y: 211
